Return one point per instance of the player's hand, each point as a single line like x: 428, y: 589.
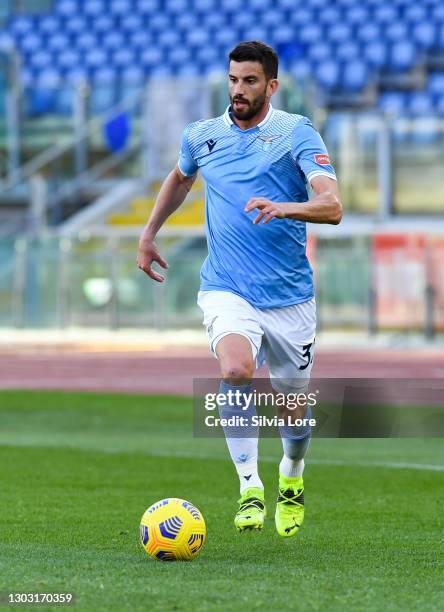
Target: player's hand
x: 268, y: 210
x: 148, y: 252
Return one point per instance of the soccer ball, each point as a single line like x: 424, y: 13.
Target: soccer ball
x: 172, y: 529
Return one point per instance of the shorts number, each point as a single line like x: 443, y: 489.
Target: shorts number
x: 307, y: 354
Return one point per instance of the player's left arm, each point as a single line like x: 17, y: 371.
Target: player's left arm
x: 324, y: 207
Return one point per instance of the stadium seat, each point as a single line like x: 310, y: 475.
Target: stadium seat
x: 392, y: 102
x: 385, y: 14
x: 49, y: 25
x: 76, y: 24
x: 66, y: 8
x: 31, y: 42
x: 396, y: 32
x: 435, y: 84
x: 425, y: 35
x: 58, y: 42
x: 348, y: 51
x: 86, y: 42
x: 339, y: 32
x: 420, y: 103
x: 369, y: 32
x: 119, y: 7
x: 94, y: 8
x: 375, y: 54
x: 319, y: 52
x: 113, y: 41
x: 103, y: 92
x: 311, y: 34
x: 402, y: 56
x: 354, y: 76
x: 68, y: 60
x: 95, y: 58
x: 327, y: 74
x: 357, y: 15
x: 169, y: 39
x: 103, y: 24
x: 123, y: 58
x: 130, y: 24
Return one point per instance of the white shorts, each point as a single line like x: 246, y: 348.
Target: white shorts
x: 282, y: 338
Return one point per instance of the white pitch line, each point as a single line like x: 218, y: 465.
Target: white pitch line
x: 396, y: 465
x: 429, y: 467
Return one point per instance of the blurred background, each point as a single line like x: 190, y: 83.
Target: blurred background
x: 94, y: 95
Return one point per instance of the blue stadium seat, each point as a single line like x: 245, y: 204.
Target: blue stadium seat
x: 213, y: 21
x: 392, y: 102
x: 260, y: 5
x: 186, y: 22
x: 206, y: 7
x: 425, y: 35
x: 357, y: 15
x: 86, y: 42
x: 302, y: 17
x: 197, y: 38
x: 159, y: 22
x: 95, y: 59
x: 284, y: 35
x: 22, y: 25
x: 179, y: 55
x: 66, y: 8
x: 147, y: 7
x: 123, y: 58
x: 339, y: 32
x: 188, y: 70
x: 225, y: 37
x: 348, y: 51
x: 396, y: 32
x: 150, y: 57
x: 119, y: 7
x: 49, y: 24
x: 376, y: 54
x: 68, y: 60
x: 439, y: 106
x: 113, y: 40
x: 300, y: 69
x: 273, y: 19
x: 103, y: 24
x: 257, y: 33
x: 311, y: 34
x: 103, y: 90
x: 435, y: 84
x: 385, y: 14
x: 41, y: 60
x: 94, y: 8
x: 327, y: 74
x: 133, y: 76
x: 415, y: 14
x: 369, y: 32
x: 354, y: 76
x: 420, y: 103
x: 58, y: 42
x: 31, y: 42
x: 402, y: 56
x: 140, y: 40
x: 330, y: 15
x: 176, y: 7
x: 319, y: 52
x: 169, y: 39
x: 131, y: 24
x: 76, y: 24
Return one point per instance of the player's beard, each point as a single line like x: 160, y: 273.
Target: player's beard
x: 252, y: 108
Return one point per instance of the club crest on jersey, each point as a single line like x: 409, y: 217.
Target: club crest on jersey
x: 267, y: 140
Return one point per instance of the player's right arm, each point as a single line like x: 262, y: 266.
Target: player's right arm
x: 171, y: 195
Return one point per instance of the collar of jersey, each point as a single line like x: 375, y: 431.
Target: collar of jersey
x: 229, y: 121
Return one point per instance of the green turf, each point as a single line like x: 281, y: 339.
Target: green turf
x: 78, y: 470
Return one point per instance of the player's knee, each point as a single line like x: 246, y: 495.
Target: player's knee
x: 237, y: 373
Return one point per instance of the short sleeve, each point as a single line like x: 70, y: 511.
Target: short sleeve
x: 186, y: 163
x: 309, y: 151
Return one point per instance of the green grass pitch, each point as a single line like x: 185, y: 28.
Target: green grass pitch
x: 78, y: 470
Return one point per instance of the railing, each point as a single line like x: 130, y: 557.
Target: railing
x: 366, y: 283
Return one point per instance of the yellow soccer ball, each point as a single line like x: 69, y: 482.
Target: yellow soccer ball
x: 172, y: 530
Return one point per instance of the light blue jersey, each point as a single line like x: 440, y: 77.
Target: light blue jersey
x: 265, y: 264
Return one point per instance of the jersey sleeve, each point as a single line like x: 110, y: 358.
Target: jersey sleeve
x: 309, y: 151
x: 187, y: 164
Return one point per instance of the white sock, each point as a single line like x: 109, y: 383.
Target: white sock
x: 291, y: 468
x: 248, y: 475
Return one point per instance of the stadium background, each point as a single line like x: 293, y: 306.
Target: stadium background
x: 93, y: 97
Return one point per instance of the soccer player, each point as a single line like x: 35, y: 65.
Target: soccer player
x: 256, y: 292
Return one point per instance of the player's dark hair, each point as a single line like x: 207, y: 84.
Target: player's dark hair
x: 256, y: 51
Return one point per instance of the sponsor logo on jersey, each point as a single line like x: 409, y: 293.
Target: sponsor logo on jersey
x: 322, y: 159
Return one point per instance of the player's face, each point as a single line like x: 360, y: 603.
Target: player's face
x: 249, y: 89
